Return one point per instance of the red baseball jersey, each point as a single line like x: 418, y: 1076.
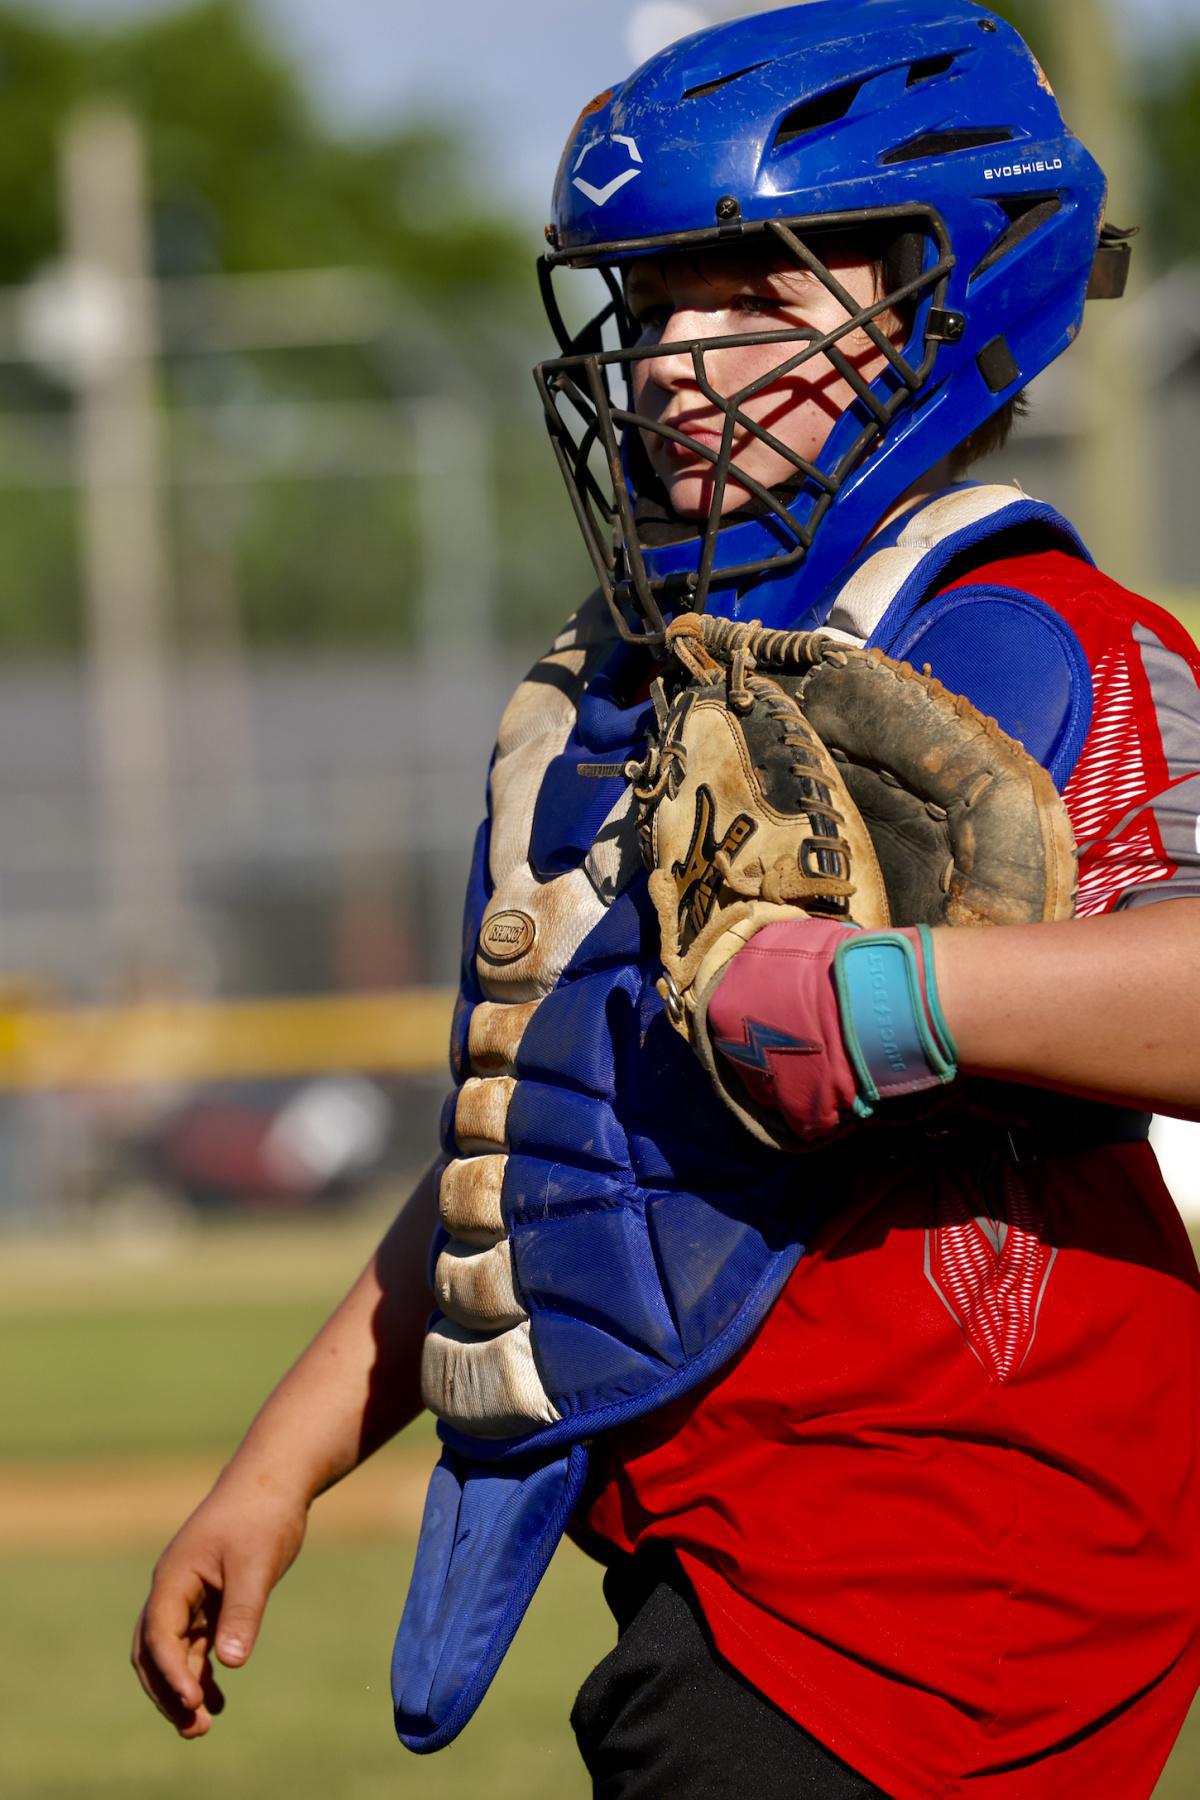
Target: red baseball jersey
x: 945, y: 1508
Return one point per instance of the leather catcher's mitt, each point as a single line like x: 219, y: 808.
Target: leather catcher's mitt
x: 791, y: 772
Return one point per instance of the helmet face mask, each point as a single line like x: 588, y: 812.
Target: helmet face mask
x: 603, y: 441
x: 922, y: 124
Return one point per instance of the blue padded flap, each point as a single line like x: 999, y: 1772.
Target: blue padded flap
x: 571, y: 808
x: 1015, y: 659
x: 552, y: 1122
x: 555, y: 1265
x: 486, y: 1540
x: 566, y: 1041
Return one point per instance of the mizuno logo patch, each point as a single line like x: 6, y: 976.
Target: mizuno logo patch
x: 696, y: 876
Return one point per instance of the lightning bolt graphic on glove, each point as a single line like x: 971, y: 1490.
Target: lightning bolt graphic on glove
x: 761, y: 1041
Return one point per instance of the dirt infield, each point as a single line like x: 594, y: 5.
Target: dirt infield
x: 131, y: 1502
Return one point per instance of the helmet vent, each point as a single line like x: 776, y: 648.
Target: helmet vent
x: 720, y: 81
x: 929, y: 67
x: 1024, y: 218
x: 945, y: 143
x: 811, y: 115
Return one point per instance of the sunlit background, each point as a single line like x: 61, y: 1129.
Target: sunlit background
x: 278, y: 530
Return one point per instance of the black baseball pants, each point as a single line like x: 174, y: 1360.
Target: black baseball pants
x: 664, y: 1718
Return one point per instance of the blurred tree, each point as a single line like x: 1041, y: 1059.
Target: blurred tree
x: 1172, y: 122
x: 42, y: 75
x: 245, y: 173
x: 1029, y: 18
x: 1164, y: 94
x: 246, y: 177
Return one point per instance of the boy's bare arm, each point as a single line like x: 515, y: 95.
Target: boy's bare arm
x: 353, y: 1388
x: 1107, y: 1007
x: 358, y: 1382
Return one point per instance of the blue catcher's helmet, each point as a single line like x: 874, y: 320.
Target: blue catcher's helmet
x: 924, y: 125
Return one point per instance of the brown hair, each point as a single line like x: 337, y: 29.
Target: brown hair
x: 989, y: 437
x: 900, y: 264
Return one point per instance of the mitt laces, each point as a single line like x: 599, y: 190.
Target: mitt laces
x: 708, y: 651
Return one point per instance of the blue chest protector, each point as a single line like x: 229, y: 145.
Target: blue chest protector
x: 612, y: 1236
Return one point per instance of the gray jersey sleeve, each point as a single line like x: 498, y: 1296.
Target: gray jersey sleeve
x: 1135, y: 796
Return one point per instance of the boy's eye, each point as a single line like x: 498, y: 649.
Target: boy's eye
x: 652, y: 318
x: 758, y: 303
x: 657, y: 315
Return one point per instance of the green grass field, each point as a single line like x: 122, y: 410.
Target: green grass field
x: 308, y: 1718
x: 106, y: 1353
x: 107, y: 1350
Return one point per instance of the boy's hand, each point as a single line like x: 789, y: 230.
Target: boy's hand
x: 822, y: 1022
x: 209, y: 1591
x: 354, y: 1387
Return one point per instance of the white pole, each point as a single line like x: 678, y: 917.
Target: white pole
x: 457, y: 643
x: 119, y: 453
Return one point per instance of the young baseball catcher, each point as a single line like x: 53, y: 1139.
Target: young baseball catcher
x: 831, y: 936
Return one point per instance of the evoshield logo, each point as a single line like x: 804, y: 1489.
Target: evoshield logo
x: 1029, y: 168
x: 599, y: 196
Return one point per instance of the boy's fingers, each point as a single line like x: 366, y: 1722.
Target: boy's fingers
x: 247, y: 1586
x: 164, y: 1638
x: 200, y: 1665
x: 214, y: 1698
x: 171, y: 1657
x: 179, y: 1708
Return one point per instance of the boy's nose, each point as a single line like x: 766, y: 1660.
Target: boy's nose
x: 673, y: 365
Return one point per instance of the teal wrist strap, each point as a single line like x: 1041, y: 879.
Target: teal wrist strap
x: 893, y: 1025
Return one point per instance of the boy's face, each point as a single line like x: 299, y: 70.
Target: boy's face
x: 718, y: 294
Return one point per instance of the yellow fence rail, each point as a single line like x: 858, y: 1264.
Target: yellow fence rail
x: 405, y: 1032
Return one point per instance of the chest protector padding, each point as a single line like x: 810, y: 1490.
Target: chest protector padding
x: 609, y: 1236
